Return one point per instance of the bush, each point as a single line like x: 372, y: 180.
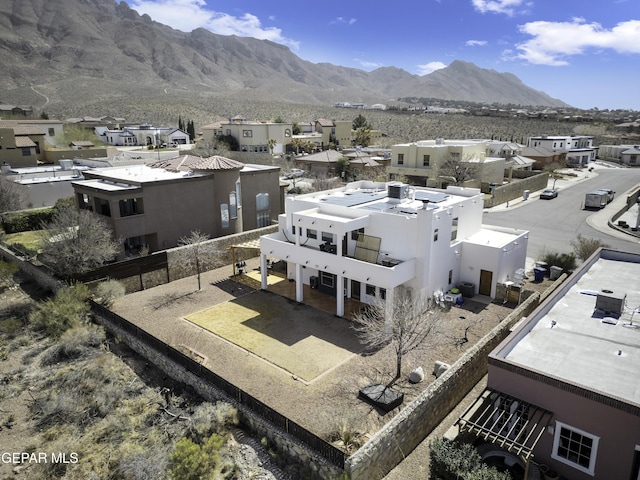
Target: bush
x: 75, y: 343
x: 460, y: 461
x: 109, y: 291
x: 211, y: 418
x: 67, y: 309
x: 191, y: 461
x: 26, y: 220
x: 584, y: 247
x: 565, y: 260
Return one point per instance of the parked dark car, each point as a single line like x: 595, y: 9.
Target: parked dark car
x: 548, y: 194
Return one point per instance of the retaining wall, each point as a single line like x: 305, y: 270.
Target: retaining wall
x: 516, y: 189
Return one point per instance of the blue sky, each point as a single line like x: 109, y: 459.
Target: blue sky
x: 584, y: 52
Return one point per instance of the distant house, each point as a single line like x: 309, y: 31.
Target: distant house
x: 579, y: 149
x: 562, y: 389
x: 252, y: 136
x: 422, y: 162
x: 21, y: 145
x: 543, y: 156
x: 15, y: 111
x: 626, y: 154
x: 142, y: 135
x: 155, y: 205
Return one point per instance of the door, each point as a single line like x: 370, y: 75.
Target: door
x: 486, y: 279
x: 355, y: 290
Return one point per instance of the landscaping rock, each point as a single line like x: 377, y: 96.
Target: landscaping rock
x: 417, y: 375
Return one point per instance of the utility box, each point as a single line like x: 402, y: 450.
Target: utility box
x: 611, y: 303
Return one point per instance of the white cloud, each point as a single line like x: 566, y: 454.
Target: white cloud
x: 187, y: 15
x: 430, y: 67
x: 508, y: 7
x: 367, y: 64
x: 476, y: 43
x: 343, y: 20
x: 554, y: 42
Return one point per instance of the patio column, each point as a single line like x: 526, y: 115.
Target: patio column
x: 299, y: 283
x: 339, y: 245
x: 339, y: 295
x: 263, y: 271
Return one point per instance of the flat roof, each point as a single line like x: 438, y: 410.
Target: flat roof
x: 140, y: 173
x: 580, y: 337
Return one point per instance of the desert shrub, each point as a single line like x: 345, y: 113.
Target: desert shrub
x: 10, y: 327
x: 583, y: 247
x: 192, y: 461
x: 565, y: 260
x: 77, y: 342
x: 211, y: 418
x: 109, y: 291
x: 67, y: 309
x: 347, y: 432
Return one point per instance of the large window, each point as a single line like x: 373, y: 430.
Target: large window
x: 247, y: 133
x: 263, y: 212
x: 401, y: 159
x: 130, y: 206
x: 575, y: 447
x: 233, y: 207
x: 224, y: 215
x: 426, y: 160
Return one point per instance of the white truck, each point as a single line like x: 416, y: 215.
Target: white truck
x: 598, y: 198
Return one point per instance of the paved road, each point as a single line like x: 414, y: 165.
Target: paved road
x: 555, y: 223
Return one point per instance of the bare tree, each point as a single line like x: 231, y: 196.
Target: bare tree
x: 408, y: 325
x: 77, y: 241
x: 199, y: 254
x: 12, y: 197
x: 554, y: 174
x: 457, y: 169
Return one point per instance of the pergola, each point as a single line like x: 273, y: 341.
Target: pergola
x: 249, y: 245
x: 507, y: 422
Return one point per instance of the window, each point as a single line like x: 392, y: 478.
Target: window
x: 383, y: 293
x: 575, y: 447
x: 401, y: 159
x: 312, y: 233
x: 130, y: 206
x: 450, y: 276
x: 454, y: 229
x: 262, y: 201
x: 52, y: 132
x: 633, y: 159
x: 238, y: 194
x: 263, y: 219
x: 327, y: 279
x: 435, y: 235
x: 233, y: 208
x: 26, y: 151
x: 228, y: 131
x: 224, y: 215
x: 247, y: 133
x: 455, y: 155
x: 355, y: 233
x: 287, y: 133
x: 327, y: 237
x: 426, y: 160
x: 103, y: 207
x: 370, y: 290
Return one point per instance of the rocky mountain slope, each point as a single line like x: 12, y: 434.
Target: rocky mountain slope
x: 69, y: 48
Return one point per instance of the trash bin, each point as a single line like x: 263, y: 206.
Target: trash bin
x: 543, y: 266
x: 525, y: 194
x: 554, y: 272
x: 538, y: 274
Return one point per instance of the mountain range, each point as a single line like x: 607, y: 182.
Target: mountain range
x: 71, y: 48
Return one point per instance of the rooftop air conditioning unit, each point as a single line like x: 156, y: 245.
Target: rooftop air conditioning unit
x: 612, y: 303
x: 398, y: 191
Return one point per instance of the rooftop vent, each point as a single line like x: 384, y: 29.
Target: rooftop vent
x: 610, y: 302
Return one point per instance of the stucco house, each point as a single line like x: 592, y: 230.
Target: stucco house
x: 422, y: 162
x: 562, y: 390
x: 370, y: 240
x: 578, y: 149
x: 252, y: 136
x: 155, y: 205
x: 142, y: 135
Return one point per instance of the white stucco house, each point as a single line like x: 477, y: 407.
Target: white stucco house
x: 369, y: 240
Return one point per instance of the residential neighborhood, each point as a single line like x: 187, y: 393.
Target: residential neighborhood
x: 535, y: 358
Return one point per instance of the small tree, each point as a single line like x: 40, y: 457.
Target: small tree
x: 584, y: 247
x: 191, y: 461
x: 458, y: 169
x: 12, y: 197
x: 554, y: 174
x: 198, y: 253
x: 363, y: 136
x: 271, y: 143
x: 77, y: 241
x: 407, y: 325
x: 359, y: 122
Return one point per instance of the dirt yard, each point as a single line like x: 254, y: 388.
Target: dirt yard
x: 331, y: 399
